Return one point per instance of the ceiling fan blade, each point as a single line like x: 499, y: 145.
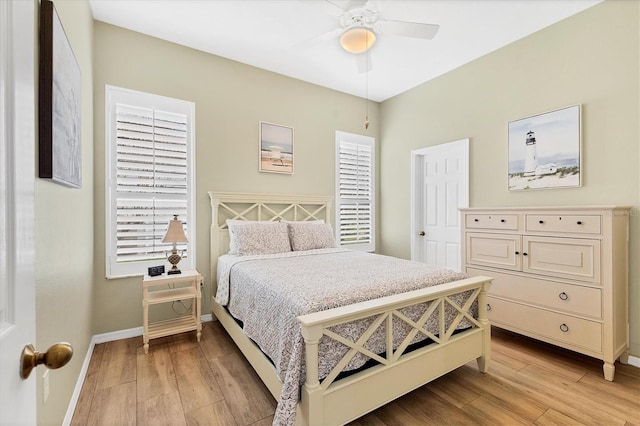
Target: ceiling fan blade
x: 329, y: 35
x: 356, y: 3
x: 345, y: 5
x: 327, y: 7
x: 406, y: 29
x: 363, y: 61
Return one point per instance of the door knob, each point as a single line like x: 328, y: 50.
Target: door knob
x: 56, y: 356
x: 421, y: 233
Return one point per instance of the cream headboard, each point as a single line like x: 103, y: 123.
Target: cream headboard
x: 265, y: 207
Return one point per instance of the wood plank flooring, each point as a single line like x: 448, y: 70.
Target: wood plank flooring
x: 183, y: 382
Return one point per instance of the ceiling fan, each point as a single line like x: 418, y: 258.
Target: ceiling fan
x: 360, y: 21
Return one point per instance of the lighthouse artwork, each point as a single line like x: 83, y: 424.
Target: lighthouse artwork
x: 530, y: 155
x: 544, y: 150
x: 531, y: 166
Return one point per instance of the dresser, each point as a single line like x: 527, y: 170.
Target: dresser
x: 560, y: 274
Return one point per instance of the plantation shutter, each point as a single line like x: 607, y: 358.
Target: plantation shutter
x: 355, y: 192
x: 150, y: 183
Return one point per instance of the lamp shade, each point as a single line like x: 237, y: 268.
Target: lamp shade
x: 357, y: 40
x: 175, y: 232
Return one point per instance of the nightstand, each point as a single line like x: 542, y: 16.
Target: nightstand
x: 170, y: 288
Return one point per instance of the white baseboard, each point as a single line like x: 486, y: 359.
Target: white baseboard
x: 634, y: 360
x: 96, y: 339
x: 76, y: 392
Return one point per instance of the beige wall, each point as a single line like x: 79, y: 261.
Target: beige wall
x: 231, y: 98
x: 64, y: 239
x: 590, y: 59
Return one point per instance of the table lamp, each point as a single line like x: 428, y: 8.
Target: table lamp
x: 175, y: 234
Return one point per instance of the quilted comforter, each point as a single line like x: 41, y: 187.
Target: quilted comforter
x: 268, y: 292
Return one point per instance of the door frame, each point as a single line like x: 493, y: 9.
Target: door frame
x: 417, y: 182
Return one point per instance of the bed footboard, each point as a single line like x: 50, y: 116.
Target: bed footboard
x: 328, y: 401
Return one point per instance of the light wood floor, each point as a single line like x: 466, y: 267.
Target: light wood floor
x: 183, y: 382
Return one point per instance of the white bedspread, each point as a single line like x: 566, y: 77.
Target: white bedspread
x: 268, y: 292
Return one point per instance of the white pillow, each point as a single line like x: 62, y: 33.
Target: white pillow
x: 310, y: 235
x: 250, y: 237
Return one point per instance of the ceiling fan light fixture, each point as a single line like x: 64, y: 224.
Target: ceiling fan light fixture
x: 357, y: 40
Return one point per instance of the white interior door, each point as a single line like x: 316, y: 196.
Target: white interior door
x: 440, y: 176
x: 17, y: 140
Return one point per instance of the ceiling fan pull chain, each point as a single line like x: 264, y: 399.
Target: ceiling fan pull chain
x: 366, y: 99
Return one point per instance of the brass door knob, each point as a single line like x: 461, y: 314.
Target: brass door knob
x: 56, y: 356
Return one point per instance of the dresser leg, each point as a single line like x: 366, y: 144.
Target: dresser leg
x: 609, y: 371
x: 624, y: 358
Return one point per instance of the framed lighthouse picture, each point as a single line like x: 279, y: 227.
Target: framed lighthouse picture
x: 544, y: 150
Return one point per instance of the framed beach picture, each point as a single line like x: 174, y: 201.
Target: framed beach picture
x: 60, y: 83
x: 276, y: 148
x: 544, y: 150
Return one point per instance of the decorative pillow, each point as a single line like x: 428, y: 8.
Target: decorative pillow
x: 310, y: 235
x: 249, y: 237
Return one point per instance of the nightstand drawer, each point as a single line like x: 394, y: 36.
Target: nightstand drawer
x: 563, y: 297
x: 492, y: 221
x: 578, y: 224
x: 550, y: 325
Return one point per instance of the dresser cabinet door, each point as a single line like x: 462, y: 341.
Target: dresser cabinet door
x: 572, y: 258
x: 496, y: 250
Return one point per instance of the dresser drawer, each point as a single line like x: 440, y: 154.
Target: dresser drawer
x: 492, y: 221
x: 550, y: 325
x: 577, y: 224
x: 572, y: 258
x: 563, y: 297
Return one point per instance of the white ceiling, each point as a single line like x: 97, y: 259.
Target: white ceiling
x: 278, y: 35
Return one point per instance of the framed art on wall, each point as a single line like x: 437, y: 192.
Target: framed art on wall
x: 276, y: 148
x: 544, y: 150
x: 59, y: 103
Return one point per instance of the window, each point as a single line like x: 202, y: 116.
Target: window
x: 355, y: 191
x: 149, y: 178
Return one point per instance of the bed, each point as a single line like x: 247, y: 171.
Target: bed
x: 424, y: 332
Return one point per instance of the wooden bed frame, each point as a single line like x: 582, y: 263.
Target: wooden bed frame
x: 330, y: 401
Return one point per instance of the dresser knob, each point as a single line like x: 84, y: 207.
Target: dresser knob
x: 524, y: 254
x: 563, y: 296
x: 476, y: 220
x: 488, y: 307
x: 564, y: 327
x: 579, y: 222
x: 502, y: 220
x: 517, y: 252
x: 541, y: 222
